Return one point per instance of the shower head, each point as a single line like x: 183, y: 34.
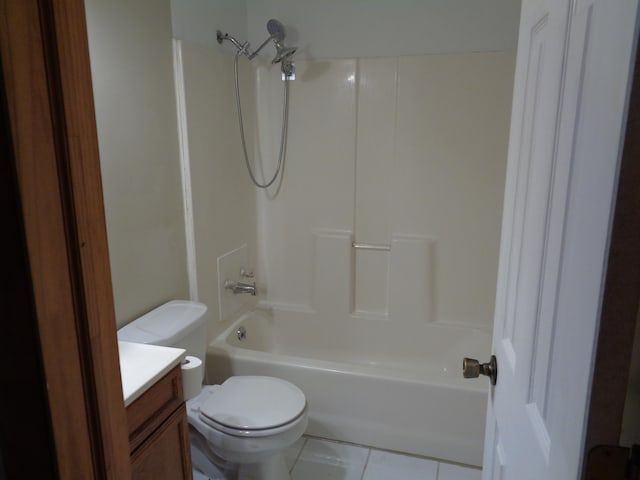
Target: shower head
x: 283, y: 53
x: 276, y: 33
x: 276, y: 30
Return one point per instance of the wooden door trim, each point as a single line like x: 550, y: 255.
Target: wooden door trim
x: 20, y: 351
x: 45, y: 61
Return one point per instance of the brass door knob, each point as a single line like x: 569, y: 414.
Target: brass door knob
x: 472, y: 368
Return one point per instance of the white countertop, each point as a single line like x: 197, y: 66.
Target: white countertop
x: 143, y: 365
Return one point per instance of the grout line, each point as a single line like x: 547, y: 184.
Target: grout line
x: 356, y: 167
x: 366, y: 464
x: 438, y: 471
x: 304, y: 444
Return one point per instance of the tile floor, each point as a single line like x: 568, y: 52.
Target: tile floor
x: 314, y: 459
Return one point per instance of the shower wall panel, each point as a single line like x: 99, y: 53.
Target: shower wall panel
x: 316, y: 192
x: 452, y: 125
x: 408, y: 152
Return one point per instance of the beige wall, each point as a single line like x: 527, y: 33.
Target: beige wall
x: 132, y: 67
x: 224, y: 210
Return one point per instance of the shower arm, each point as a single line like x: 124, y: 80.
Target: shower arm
x: 264, y: 44
x: 243, y: 48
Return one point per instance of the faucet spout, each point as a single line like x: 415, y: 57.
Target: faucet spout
x: 240, y: 287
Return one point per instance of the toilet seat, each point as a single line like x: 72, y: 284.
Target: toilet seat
x: 253, y: 406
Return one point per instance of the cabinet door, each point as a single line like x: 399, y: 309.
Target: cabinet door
x: 165, y: 455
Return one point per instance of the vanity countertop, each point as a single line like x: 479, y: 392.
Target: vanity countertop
x: 142, y: 365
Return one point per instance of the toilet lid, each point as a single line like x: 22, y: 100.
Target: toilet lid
x: 252, y: 403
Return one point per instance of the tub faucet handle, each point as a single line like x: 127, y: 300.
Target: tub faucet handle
x: 247, y: 273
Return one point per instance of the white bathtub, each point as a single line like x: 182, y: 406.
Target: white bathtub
x: 368, y: 381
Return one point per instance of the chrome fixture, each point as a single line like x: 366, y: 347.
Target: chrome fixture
x: 472, y: 368
x: 276, y: 35
x: 240, y: 287
x: 242, y: 47
x: 247, y: 273
x: 283, y: 57
x: 241, y: 333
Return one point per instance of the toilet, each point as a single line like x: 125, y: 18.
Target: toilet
x: 239, y: 429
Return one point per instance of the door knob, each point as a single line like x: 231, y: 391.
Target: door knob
x: 472, y: 368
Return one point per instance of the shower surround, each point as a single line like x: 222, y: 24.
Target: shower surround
x: 406, y: 154
x: 403, y: 153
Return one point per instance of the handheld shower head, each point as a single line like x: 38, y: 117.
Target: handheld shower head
x: 283, y: 53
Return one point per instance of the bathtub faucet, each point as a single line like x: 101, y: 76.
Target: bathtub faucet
x: 239, y: 287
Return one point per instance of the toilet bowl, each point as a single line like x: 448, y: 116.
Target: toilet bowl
x: 239, y: 429
x: 244, y: 426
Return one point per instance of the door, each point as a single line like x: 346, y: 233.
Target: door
x: 570, y: 94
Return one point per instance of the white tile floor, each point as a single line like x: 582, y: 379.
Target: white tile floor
x: 316, y: 459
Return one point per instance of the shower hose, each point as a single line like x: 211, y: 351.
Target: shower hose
x: 284, y: 127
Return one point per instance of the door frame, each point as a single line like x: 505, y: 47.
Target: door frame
x: 49, y: 98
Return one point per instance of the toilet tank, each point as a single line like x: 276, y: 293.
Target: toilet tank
x: 178, y: 323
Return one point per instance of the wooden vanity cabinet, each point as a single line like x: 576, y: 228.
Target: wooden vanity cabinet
x: 158, y: 432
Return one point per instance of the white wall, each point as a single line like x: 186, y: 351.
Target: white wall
x: 196, y: 21
x: 355, y: 28
x: 404, y: 151
x: 384, y: 28
x: 132, y: 68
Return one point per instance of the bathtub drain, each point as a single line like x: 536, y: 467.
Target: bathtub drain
x: 241, y: 333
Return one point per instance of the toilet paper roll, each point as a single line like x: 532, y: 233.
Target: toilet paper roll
x: 192, y: 374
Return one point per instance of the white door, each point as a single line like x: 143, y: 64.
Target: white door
x: 570, y: 95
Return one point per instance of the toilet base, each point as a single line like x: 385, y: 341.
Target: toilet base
x: 206, y: 461
x: 237, y: 457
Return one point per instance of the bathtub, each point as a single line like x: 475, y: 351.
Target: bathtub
x: 367, y: 381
